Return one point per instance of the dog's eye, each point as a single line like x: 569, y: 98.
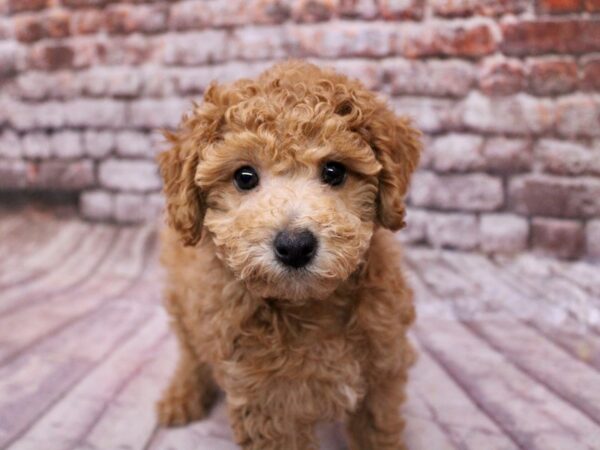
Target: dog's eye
x: 245, y: 178
x: 334, y: 173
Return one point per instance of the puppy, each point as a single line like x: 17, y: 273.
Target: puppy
x: 283, y: 280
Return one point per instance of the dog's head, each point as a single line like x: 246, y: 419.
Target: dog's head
x: 289, y: 175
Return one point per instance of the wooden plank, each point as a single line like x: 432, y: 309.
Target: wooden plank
x: 571, y: 379
x: 47, y: 317
x: 70, y: 419
x: 130, y: 419
x: 445, y: 404
x: 37, y: 259
x: 527, y: 411
x: 75, y: 270
x: 33, y: 382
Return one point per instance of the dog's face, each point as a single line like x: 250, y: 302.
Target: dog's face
x: 289, y: 176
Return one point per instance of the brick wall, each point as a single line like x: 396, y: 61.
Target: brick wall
x: 507, y: 93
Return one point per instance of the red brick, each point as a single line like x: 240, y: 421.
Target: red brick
x: 592, y: 5
x: 472, y: 192
x: 461, y: 8
x: 28, y: 28
x: 431, y: 115
x: 454, y: 230
x: 10, y: 53
x: 593, y: 239
x: 500, y: 76
x: 560, y: 238
x: 559, y: 6
x: 567, y: 157
x: 578, y: 115
x: 457, y: 153
x: 61, y: 175
x: 13, y: 173
x: 591, y: 75
x: 505, y: 155
x: 57, y: 23
x: 26, y: 5
x: 130, y: 19
x: 503, y: 233
x: 530, y: 37
x: 52, y: 57
x: 313, y: 10
x: 363, y: 9
x: 552, y: 76
x: 404, y: 9
x: 545, y: 195
x: 84, y: 3
x: 87, y: 21
x: 448, y: 39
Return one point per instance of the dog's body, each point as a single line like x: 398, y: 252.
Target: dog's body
x: 294, y: 329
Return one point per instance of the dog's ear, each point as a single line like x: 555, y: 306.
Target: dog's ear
x: 185, y: 203
x: 397, y: 147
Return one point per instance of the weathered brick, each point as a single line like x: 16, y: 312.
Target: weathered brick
x: 127, y: 18
x: 345, y: 40
x: 98, y: 144
x: 134, y: 49
x: 545, y: 195
x: 150, y: 113
x: 370, y: 73
x: 250, y: 43
x: 9, y: 57
x: 507, y: 155
x: 155, y: 205
x: 87, y: 21
x: 552, y: 76
x: 578, y: 115
x: 133, y: 143
x: 96, y: 205
x: 429, y: 114
x: 187, y: 15
x: 436, y: 77
x: 10, y: 144
x: 124, y: 83
x: 57, y: 23
x: 471, y: 39
x: 359, y: 9
x: 592, y: 5
x: 51, y: 56
x: 36, y: 145
x: 130, y: 208
x: 313, y: 10
x: 559, y: 6
x: 95, y: 113
x: 15, y: 6
x: 531, y: 37
x: 567, y: 158
x: 520, y: 114
x: 592, y: 239
x: 501, y: 76
x: 457, y: 153
x: 129, y: 175
x: 472, y: 192
x: 61, y: 175
x: 457, y: 8
x: 28, y: 28
x: 25, y: 116
x: 66, y: 144
x: 84, y: 3
x: 401, y: 9
x: 13, y: 174
x: 458, y: 231
x: 195, y: 48
x: 591, y: 74
x: 416, y: 226
x: 560, y: 238
x: 503, y: 233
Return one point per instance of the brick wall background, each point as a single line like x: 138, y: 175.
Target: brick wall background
x: 507, y: 93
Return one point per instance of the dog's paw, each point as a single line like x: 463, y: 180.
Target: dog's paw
x: 176, y: 409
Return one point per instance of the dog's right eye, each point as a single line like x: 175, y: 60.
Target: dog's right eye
x: 245, y: 178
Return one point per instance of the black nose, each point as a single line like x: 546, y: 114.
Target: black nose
x: 295, y: 248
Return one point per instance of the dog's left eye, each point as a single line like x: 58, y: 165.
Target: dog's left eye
x: 334, y: 173
x: 246, y: 178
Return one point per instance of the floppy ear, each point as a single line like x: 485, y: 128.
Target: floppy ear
x: 397, y: 147
x: 185, y: 203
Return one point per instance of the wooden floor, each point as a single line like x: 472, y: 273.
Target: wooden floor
x: 509, y: 350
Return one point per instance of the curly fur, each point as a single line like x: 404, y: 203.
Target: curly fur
x: 289, y: 347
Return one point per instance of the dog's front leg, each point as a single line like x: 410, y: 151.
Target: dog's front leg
x: 190, y: 394
x: 377, y: 423
x: 258, y: 428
